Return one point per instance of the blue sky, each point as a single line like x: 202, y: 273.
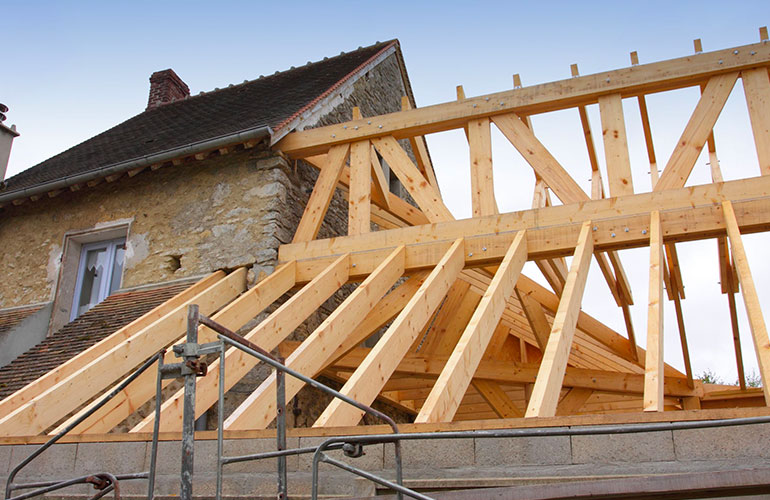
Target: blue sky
x: 73, y: 69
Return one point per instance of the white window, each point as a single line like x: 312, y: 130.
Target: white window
x: 99, y: 273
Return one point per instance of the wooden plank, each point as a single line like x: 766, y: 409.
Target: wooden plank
x: 696, y: 132
x: 482, y: 185
x: 507, y: 373
x: 51, y: 378
x: 648, y: 141
x: 629, y: 82
x: 423, y: 193
x: 756, y: 86
x: 319, y: 200
x: 233, y: 316
x: 686, y: 214
x: 683, y: 341
x: 420, y: 150
x: 653, y: 370
x: 455, y: 313
x: 258, y: 409
x: 380, y: 188
x: 267, y: 335
x: 541, y: 160
x: 750, y: 298
x: 736, y: 335
x: 445, y: 398
x: 573, y: 401
x: 538, y: 322
x: 496, y: 398
x: 615, y: 145
x: 545, y: 394
x: 368, y: 379
x: 359, y: 197
x: 89, y: 380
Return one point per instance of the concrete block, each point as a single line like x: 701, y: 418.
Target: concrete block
x: 115, y: 458
x: 720, y: 443
x: 170, y: 457
x: 553, y: 450
x: 5, y: 459
x: 236, y: 447
x: 642, y: 447
x: 432, y: 453
x: 56, y: 462
x: 371, y: 461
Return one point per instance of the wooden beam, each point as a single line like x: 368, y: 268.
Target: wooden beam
x: 233, y: 316
x: 750, y: 298
x: 545, y: 394
x: 736, y: 333
x: 423, y: 193
x: 683, y: 340
x: 89, y: 380
x: 615, y: 145
x: 312, y: 356
x: 538, y: 322
x: 541, y: 160
x: 380, y: 188
x: 482, y: 185
x: 268, y: 334
x: 51, y: 378
x: 629, y: 82
x: 653, y: 371
x: 573, y: 401
x: 686, y: 214
x: 359, y: 197
x: 696, y: 132
x: 756, y: 86
x: 420, y: 150
x: 495, y: 397
x: 368, y: 379
x: 445, y: 398
x: 507, y: 373
x: 324, y: 188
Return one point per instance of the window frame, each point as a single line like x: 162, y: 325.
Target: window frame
x: 105, y: 286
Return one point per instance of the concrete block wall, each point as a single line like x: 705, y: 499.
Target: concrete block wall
x: 450, y: 463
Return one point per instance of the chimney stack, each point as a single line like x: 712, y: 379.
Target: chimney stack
x: 165, y: 87
x: 6, y: 139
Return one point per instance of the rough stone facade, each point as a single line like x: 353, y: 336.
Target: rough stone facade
x: 222, y: 212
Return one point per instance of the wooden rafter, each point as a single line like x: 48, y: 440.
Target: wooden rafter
x: 369, y: 378
x: 545, y: 394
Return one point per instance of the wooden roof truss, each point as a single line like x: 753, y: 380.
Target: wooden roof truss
x: 463, y: 334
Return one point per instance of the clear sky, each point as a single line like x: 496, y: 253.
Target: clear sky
x: 73, y: 69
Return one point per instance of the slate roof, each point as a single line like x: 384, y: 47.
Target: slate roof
x: 73, y: 338
x: 268, y: 101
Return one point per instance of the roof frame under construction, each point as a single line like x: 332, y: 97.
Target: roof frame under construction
x: 468, y: 337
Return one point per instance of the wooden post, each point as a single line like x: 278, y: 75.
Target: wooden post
x: 653, y: 370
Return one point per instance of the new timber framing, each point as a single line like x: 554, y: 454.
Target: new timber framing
x: 457, y: 331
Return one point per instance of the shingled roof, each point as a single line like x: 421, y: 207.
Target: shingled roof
x: 73, y: 338
x: 272, y: 101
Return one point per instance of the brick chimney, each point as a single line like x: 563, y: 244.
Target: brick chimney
x: 166, y: 86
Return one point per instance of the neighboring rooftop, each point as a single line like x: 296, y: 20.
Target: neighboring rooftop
x: 73, y: 338
x: 267, y: 102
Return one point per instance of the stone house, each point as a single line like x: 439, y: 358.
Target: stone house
x: 103, y: 232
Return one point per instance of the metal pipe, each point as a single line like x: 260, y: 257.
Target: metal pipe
x: 280, y: 430
x: 156, y: 426
x: 144, y: 161
x: 188, y: 417
x: 269, y: 359
x: 10, y: 486
x: 371, y: 477
x: 220, y: 420
x: 274, y: 454
x: 48, y: 486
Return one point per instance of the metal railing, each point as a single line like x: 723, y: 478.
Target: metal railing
x: 352, y: 445
x: 102, y: 481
